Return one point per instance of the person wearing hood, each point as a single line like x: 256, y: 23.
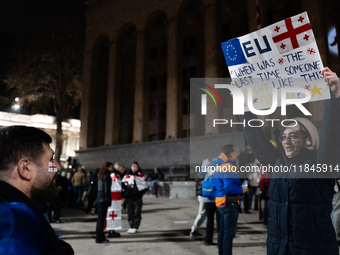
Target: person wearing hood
x: 300, y: 202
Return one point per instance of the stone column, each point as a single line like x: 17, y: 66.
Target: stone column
x: 139, y: 121
x: 211, y: 67
x: 86, y: 88
x: 111, y: 128
x: 173, y: 93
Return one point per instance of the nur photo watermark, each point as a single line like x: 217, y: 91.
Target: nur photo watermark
x: 217, y: 107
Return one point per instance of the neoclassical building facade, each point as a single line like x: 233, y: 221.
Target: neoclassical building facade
x: 140, y: 56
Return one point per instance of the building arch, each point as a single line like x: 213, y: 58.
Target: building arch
x: 98, y: 91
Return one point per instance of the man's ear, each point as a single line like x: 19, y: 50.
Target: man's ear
x: 309, y: 142
x: 25, y: 169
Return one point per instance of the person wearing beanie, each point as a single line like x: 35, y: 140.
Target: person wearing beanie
x: 300, y: 202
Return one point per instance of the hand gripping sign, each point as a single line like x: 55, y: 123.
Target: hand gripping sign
x: 114, y: 213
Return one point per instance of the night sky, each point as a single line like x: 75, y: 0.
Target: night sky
x: 19, y: 17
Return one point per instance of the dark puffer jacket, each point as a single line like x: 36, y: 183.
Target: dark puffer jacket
x: 299, y: 208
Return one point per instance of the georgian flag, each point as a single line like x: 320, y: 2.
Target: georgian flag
x: 113, y: 219
x: 116, y: 183
x: 292, y: 33
x: 141, y: 181
x: 52, y: 167
x: 116, y: 205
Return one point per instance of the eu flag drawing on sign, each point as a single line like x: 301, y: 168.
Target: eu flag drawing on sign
x: 233, y: 53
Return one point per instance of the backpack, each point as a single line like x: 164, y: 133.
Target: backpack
x: 208, y: 188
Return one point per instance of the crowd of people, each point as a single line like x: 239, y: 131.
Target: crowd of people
x: 298, y: 216
x: 73, y: 186
x: 88, y: 190
x: 78, y: 189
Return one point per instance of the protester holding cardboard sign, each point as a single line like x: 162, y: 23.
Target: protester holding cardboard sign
x: 276, y: 66
x: 300, y: 207
x: 283, y: 58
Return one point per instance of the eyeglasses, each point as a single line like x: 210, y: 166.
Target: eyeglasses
x: 292, y: 138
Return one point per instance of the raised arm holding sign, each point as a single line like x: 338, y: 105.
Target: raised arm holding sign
x: 285, y: 55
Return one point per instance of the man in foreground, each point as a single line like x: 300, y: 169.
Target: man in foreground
x: 27, y: 175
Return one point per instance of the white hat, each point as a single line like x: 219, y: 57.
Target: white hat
x: 313, y: 132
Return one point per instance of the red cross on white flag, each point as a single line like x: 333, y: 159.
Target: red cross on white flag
x: 113, y: 215
x: 292, y: 33
x: 113, y: 220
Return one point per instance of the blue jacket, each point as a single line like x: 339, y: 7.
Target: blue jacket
x: 24, y: 229
x: 226, y: 183
x: 299, y: 208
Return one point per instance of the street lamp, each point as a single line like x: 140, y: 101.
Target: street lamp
x: 16, y: 105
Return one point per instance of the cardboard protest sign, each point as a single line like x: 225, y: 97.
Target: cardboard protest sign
x: 282, y: 55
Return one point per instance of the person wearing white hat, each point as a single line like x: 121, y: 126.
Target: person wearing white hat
x: 300, y: 202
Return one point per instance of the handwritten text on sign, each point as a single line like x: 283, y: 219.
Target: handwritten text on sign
x: 282, y: 55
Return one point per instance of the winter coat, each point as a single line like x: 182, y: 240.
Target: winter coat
x: 79, y: 179
x: 264, y: 185
x: 93, y: 188
x: 299, y: 208
x: 226, y: 182
x: 23, y: 228
x: 104, y: 189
